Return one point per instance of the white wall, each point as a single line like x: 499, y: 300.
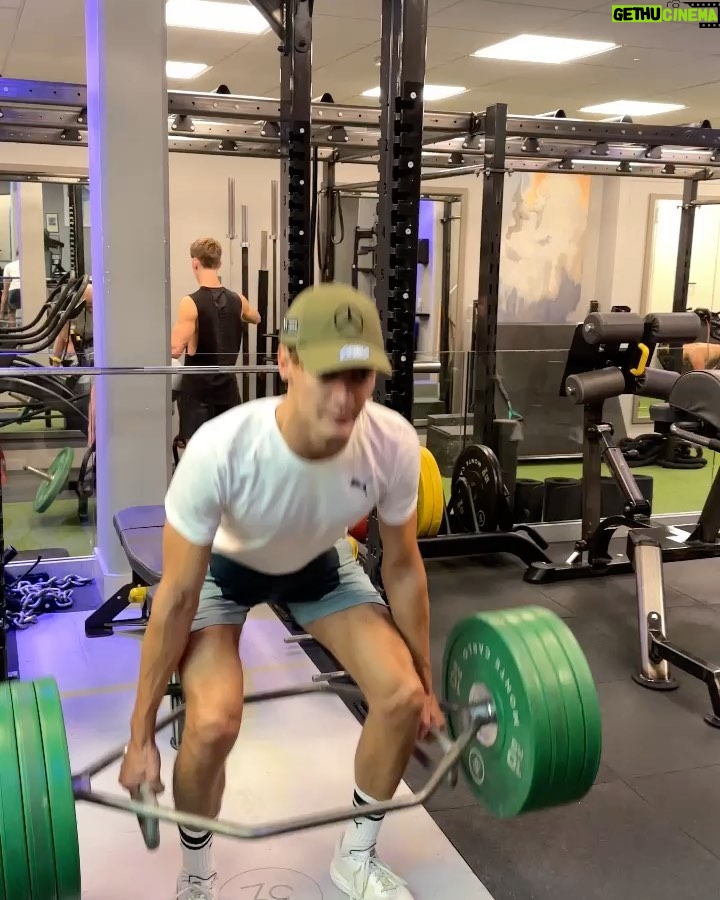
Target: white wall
x: 29, y: 222
x: 6, y: 229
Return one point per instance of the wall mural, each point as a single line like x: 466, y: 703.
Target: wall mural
x: 543, y: 243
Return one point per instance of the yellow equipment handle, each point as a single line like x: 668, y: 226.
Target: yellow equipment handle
x: 640, y: 368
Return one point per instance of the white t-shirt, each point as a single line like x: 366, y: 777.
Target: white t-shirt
x: 240, y: 488
x: 12, y: 271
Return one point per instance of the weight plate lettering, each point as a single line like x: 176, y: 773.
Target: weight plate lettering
x: 36, y: 806
x: 431, y: 496
x: 507, y: 764
x: 60, y: 790
x: 479, y: 469
x: 532, y: 635
x: 60, y: 472
x: 588, y: 696
x: 16, y: 875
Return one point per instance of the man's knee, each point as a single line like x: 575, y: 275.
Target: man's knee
x: 400, y: 699
x: 212, y: 725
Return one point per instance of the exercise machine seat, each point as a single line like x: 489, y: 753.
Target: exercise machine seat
x: 662, y: 412
x: 140, y: 530
x: 697, y: 393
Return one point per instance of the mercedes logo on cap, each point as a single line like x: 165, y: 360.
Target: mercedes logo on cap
x: 348, y: 321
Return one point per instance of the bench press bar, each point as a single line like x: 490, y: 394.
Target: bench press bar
x: 480, y: 715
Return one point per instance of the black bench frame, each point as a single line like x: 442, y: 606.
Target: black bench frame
x: 103, y: 621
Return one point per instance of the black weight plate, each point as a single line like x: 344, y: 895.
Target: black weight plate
x: 478, y: 466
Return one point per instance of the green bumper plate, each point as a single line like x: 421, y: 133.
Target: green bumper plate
x: 589, y: 701
x: 506, y: 764
x: 544, y: 748
x: 524, y: 623
x: 16, y: 875
x: 59, y: 471
x: 38, y: 825
x: 60, y: 790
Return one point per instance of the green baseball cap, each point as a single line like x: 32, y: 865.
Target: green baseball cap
x: 333, y: 327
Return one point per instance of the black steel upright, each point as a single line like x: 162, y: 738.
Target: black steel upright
x: 486, y: 309
x: 295, y: 137
x: 77, y: 228
x: 402, y: 79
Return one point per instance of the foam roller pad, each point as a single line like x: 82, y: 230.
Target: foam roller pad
x: 657, y: 383
x: 563, y: 500
x: 588, y: 387
x: 684, y: 327
x: 612, y: 500
x: 619, y: 326
x: 529, y: 495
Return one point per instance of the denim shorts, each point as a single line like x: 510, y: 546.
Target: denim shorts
x: 332, y: 582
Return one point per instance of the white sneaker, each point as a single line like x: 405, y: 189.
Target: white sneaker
x: 366, y: 878
x: 190, y: 887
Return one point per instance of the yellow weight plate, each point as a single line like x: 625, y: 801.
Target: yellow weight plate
x: 432, y: 492
x: 354, y: 544
x: 425, y: 498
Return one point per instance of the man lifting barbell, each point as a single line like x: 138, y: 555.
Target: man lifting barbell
x: 257, y: 511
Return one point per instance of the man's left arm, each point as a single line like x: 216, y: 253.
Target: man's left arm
x: 405, y: 583
x: 249, y: 314
x: 403, y: 569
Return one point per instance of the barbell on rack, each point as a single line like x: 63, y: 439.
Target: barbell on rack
x: 523, y: 724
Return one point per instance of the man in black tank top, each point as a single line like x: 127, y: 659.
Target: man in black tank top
x: 209, y: 330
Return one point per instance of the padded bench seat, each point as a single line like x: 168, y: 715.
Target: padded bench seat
x: 140, y: 531
x: 698, y: 393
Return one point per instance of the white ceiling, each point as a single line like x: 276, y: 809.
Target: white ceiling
x: 675, y: 62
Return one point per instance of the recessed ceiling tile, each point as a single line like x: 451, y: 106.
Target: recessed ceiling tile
x: 484, y: 15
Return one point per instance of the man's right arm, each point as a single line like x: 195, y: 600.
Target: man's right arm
x: 193, y: 507
x: 173, y: 609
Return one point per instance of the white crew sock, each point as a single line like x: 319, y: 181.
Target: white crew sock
x: 362, y: 832
x: 197, y: 853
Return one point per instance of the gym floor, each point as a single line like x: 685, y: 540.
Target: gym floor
x: 647, y: 829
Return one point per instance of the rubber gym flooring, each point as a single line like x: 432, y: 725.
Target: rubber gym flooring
x: 648, y: 827
x: 646, y: 830
x: 294, y: 755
